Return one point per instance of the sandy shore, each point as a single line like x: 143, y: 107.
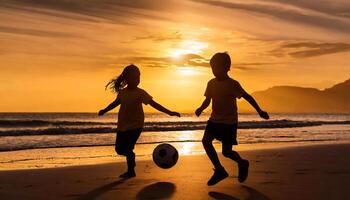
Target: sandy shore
x: 304, y: 172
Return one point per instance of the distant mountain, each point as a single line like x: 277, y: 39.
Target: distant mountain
x: 290, y: 99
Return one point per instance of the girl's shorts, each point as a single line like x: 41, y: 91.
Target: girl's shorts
x: 126, y: 140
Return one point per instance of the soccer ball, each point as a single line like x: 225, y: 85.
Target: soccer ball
x: 165, y: 156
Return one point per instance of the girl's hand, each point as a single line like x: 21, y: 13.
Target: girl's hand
x: 264, y: 114
x: 198, y: 112
x: 101, y: 112
x: 175, y: 114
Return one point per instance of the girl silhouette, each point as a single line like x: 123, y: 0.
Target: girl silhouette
x: 130, y: 116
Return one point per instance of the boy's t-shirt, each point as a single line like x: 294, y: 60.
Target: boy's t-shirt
x: 131, y: 114
x: 223, y: 94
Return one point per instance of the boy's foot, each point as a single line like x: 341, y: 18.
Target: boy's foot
x: 219, y: 175
x: 128, y: 174
x: 243, y: 170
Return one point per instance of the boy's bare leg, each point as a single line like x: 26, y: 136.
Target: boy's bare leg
x: 219, y: 171
x: 207, y: 142
x: 229, y: 153
x: 243, y: 165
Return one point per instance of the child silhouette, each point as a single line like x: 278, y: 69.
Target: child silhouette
x: 130, y: 116
x: 222, y: 124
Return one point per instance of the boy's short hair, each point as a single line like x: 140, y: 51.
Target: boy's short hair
x: 222, y: 60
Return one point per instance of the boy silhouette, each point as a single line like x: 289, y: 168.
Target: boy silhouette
x: 222, y: 124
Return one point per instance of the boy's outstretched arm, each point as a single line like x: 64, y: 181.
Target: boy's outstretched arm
x: 161, y: 108
x: 252, y: 102
x: 204, y: 105
x: 112, y: 105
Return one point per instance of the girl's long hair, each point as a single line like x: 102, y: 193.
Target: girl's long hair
x: 118, y: 83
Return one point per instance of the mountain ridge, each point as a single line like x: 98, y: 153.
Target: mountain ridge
x: 294, y: 99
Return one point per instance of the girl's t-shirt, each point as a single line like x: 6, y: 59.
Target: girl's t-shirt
x: 224, y: 94
x: 131, y: 114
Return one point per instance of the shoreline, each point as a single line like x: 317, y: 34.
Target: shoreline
x: 51, y: 158
x: 300, y: 172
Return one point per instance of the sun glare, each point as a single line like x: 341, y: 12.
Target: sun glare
x: 187, y: 71
x: 188, y: 47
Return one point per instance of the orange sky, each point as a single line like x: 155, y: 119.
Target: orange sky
x: 57, y: 55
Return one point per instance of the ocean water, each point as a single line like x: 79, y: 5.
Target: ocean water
x: 20, y: 131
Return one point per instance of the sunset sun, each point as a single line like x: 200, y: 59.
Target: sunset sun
x: 188, y: 47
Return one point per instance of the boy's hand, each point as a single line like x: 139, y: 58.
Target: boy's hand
x: 175, y: 114
x: 264, y: 115
x: 198, y: 112
x: 101, y: 112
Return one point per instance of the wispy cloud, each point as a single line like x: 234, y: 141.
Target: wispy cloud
x: 175, y: 36
x: 249, y: 66
x: 339, y: 8
x: 309, y: 49
x: 287, y: 13
x: 186, y: 60
x: 34, y: 32
x: 191, y: 60
x: 104, y: 9
x: 27, y: 8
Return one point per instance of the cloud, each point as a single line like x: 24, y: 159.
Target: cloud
x: 190, y: 60
x: 175, y: 36
x: 186, y: 60
x: 339, y: 8
x: 17, y: 7
x: 249, y: 66
x: 34, y: 32
x: 287, y: 13
x: 104, y: 9
x: 309, y: 49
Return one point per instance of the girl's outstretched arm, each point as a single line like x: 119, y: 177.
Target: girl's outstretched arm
x: 112, y: 105
x: 163, y: 109
x: 252, y: 102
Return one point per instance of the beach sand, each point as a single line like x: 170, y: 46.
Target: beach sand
x: 298, y: 172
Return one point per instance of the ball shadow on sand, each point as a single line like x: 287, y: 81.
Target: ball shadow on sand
x: 159, y: 190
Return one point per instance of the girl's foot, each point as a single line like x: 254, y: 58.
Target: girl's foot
x: 243, y: 170
x: 219, y: 175
x: 128, y: 174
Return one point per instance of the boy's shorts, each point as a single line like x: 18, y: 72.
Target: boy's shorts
x: 226, y: 133
x: 126, y: 140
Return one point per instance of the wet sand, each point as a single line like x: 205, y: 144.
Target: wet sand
x: 299, y: 172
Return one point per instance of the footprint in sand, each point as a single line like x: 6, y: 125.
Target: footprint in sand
x: 271, y: 183
x: 147, y: 169
x: 303, y: 171
x: 28, y: 186
x: 266, y: 172
x: 338, y: 172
